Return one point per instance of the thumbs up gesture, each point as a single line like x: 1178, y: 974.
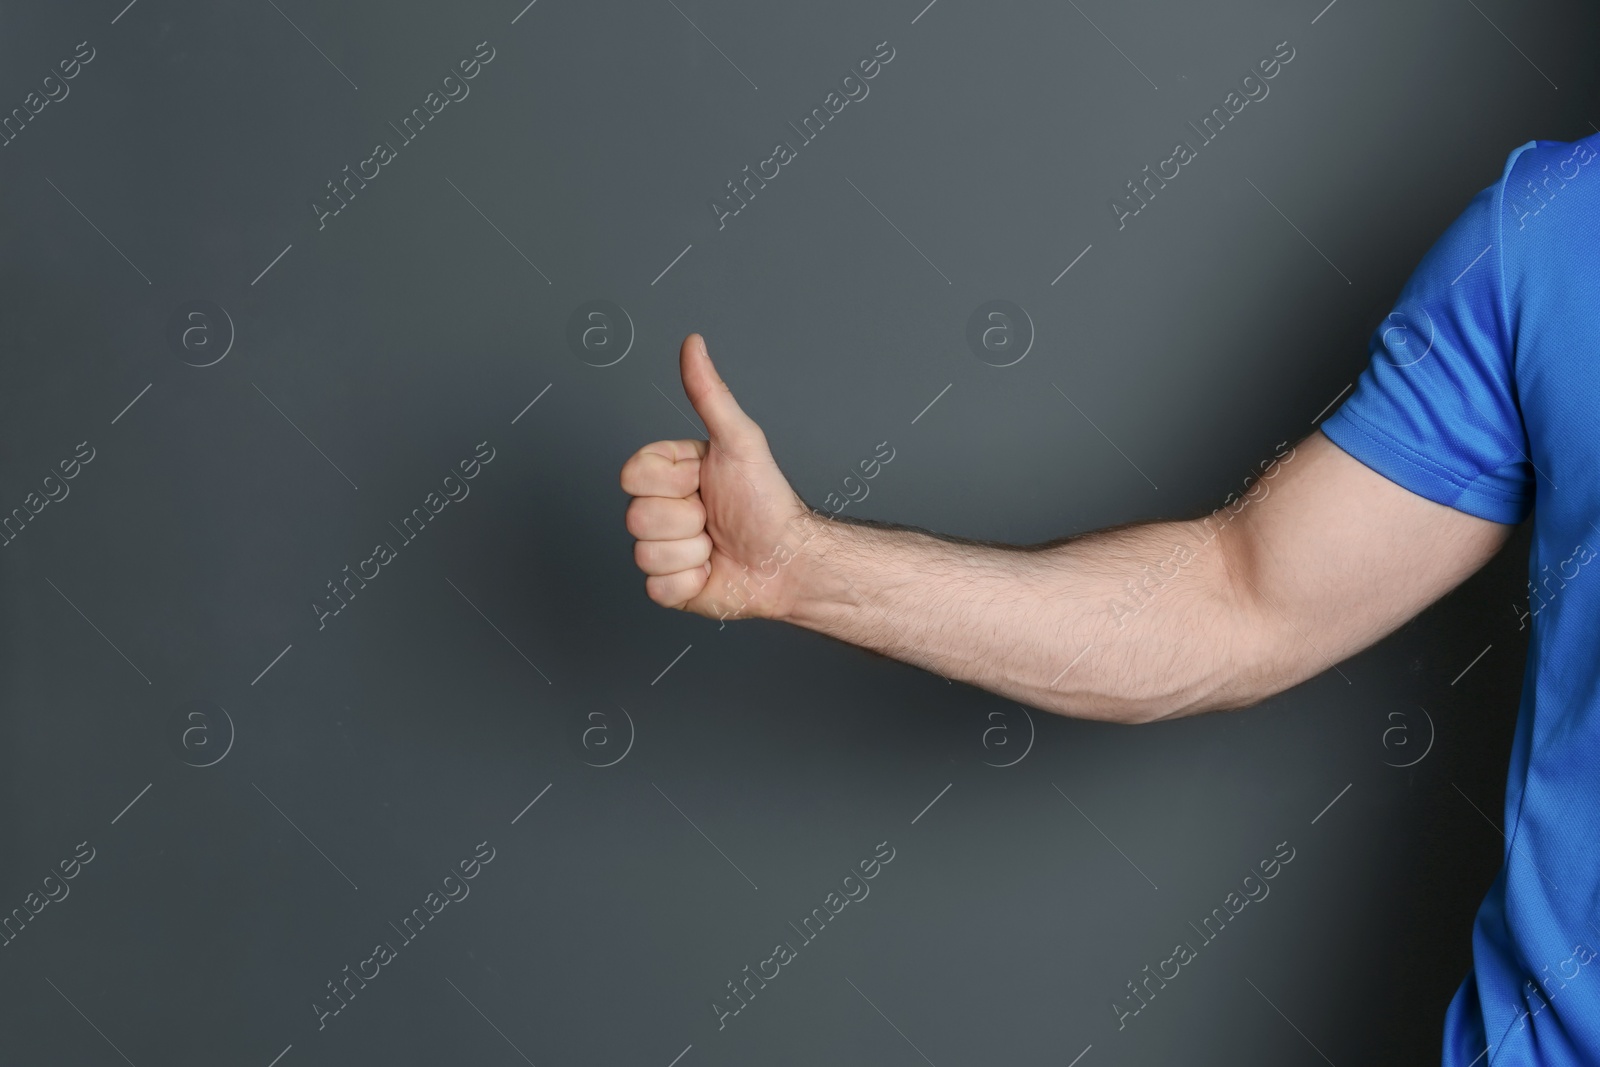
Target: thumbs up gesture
x: 707, y: 514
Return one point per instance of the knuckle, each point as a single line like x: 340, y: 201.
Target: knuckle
x: 689, y: 476
x: 662, y: 590
x: 632, y: 474
x: 647, y: 474
x: 647, y: 556
x: 637, y: 519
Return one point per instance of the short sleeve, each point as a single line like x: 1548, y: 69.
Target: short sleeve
x: 1435, y: 410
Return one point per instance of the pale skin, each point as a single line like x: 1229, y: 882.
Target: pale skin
x: 1320, y: 559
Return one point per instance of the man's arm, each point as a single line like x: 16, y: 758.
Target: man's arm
x: 1321, y: 558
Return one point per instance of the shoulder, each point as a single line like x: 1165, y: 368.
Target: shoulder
x: 1539, y: 175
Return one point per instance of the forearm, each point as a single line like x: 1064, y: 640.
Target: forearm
x: 1128, y: 624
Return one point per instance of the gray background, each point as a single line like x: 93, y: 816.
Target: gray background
x: 457, y: 687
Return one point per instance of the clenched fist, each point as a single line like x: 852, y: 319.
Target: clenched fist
x: 715, y: 520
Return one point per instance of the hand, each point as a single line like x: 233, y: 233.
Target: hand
x: 709, y: 515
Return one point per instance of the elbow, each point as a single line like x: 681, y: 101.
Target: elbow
x: 1148, y: 714
x: 1138, y: 713
x: 1134, y: 695
x: 1115, y: 711
x: 1225, y: 691
x: 1220, y: 690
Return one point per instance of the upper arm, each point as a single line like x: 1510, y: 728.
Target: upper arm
x: 1417, y: 479
x: 1334, y: 557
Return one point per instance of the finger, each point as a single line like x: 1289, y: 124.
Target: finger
x: 666, y: 468
x: 675, y: 590
x: 725, y: 420
x: 669, y: 557
x: 659, y: 518
x: 685, y: 449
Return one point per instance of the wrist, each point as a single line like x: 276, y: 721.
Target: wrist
x: 814, y: 580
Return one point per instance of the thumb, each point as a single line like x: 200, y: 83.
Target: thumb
x: 725, y: 420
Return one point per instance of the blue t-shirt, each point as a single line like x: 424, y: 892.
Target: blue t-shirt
x: 1483, y: 394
